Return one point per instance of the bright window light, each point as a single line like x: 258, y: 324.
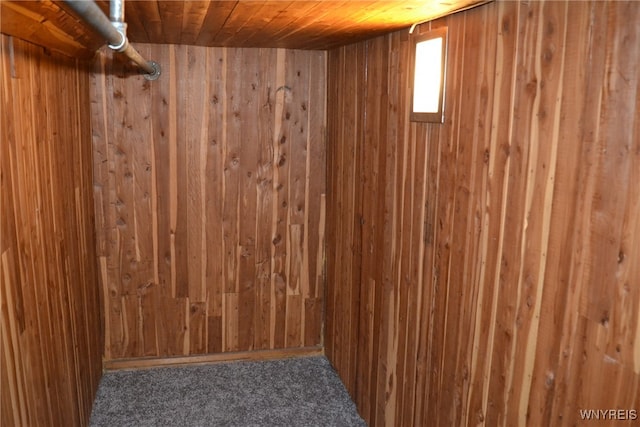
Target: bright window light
x: 429, y: 61
x: 426, y: 83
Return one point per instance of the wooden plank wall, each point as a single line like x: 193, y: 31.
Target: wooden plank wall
x: 485, y: 271
x: 47, y: 23
x: 51, y: 341
x: 210, y: 195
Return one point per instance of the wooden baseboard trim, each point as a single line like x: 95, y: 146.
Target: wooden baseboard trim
x: 156, y: 362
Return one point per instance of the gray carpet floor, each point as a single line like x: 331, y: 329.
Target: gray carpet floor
x: 293, y: 392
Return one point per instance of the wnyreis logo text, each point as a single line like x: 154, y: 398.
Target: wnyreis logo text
x: 608, y: 414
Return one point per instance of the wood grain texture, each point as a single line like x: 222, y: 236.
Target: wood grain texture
x: 484, y: 271
x: 317, y: 24
x: 210, y: 192
x: 50, y: 341
x: 46, y: 24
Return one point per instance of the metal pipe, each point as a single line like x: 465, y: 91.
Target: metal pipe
x: 116, y: 14
x: 116, y: 10
x: 117, y: 39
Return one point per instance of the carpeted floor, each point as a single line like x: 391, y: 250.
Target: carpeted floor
x: 293, y: 392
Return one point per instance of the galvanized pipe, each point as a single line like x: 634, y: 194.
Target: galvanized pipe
x: 116, y: 14
x: 115, y: 35
x: 116, y: 10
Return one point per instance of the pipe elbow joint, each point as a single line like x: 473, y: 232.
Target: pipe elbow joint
x: 122, y: 29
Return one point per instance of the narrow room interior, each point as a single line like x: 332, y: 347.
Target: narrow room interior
x: 271, y: 193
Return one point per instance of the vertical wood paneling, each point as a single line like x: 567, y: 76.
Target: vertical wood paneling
x: 344, y: 205
x: 488, y: 260
x: 50, y: 359
x: 209, y: 200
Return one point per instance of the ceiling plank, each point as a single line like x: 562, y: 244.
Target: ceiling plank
x: 306, y: 19
x: 135, y: 25
x: 149, y: 15
x: 47, y: 25
x: 301, y: 24
x: 192, y: 20
x: 243, y: 13
x: 171, y: 17
x: 341, y: 16
x: 253, y: 32
x: 283, y: 16
x: 217, y: 14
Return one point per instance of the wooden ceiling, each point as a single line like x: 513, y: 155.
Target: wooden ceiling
x: 320, y: 24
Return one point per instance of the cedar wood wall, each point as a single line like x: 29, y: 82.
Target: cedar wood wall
x: 51, y: 343
x: 210, y: 195
x: 478, y: 270
x: 486, y: 270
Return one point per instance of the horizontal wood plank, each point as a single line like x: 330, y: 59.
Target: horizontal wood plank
x: 256, y: 355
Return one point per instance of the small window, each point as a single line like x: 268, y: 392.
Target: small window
x: 428, y: 76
